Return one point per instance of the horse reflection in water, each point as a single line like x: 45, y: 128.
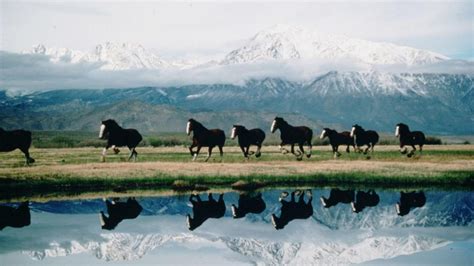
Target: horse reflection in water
x: 291, y: 210
x: 202, y: 210
x: 15, y: 217
x: 338, y: 196
x: 118, y: 211
x: 248, y: 203
x: 365, y: 199
x: 410, y: 200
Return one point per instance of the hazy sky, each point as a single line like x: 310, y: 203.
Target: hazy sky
x: 189, y: 29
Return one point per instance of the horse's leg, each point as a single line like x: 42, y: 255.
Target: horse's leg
x: 294, y: 153
x: 116, y: 150
x: 367, y: 149
x: 191, y: 149
x: 403, y: 149
x: 258, y: 153
x: 301, y: 149
x: 421, y: 149
x: 243, y: 151
x: 282, y: 149
x: 27, y: 156
x: 104, y: 153
x: 247, y: 152
x: 209, y: 152
x: 221, y: 151
x: 412, y: 152
x: 196, y: 153
x: 310, y: 148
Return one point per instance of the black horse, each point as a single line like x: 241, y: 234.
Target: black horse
x: 409, y: 138
x: 410, y: 200
x: 291, y: 135
x: 365, y: 199
x: 291, y: 210
x: 203, y: 210
x: 118, y: 211
x: 118, y: 137
x: 247, y: 137
x: 363, y: 137
x: 248, y: 204
x: 338, y: 196
x: 16, y: 139
x: 336, y: 139
x: 15, y: 217
x: 204, y: 137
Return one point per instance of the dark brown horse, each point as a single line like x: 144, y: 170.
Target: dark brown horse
x: 291, y: 135
x: 15, y: 217
x: 364, y: 137
x: 204, y: 137
x: 336, y: 139
x: 365, y: 199
x: 291, y: 210
x: 410, y: 200
x: 248, y: 203
x: 118, y: 137
x: 409, y: 138
x: 16, y: 139
x: 248, y: 137
x: 203, y: 210
x: 119, y: 211
x: 338, y: 196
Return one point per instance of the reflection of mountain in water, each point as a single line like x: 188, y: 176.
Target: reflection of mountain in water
x: 335, y: 235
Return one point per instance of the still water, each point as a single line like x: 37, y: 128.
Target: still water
x: 284, y: 226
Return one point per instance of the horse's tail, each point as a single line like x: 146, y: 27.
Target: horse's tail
x: 309, y: 139
x: 28, y: 139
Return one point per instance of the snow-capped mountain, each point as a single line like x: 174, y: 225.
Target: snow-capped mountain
x: 111, y: 56
x: 284, y: 42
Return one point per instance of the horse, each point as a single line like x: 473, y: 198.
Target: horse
x: 248, y: 204
x: 291, y: 210
x: 336, y: 139
x: 248, y: 137
x: 203, y: 210
x: 363, y: 137
x: 15, y: 217
x: 337, y: 196
x: 410, y: 138
x: 365, y: 199
x: 291, y: 135
x: 410, y: 200
x: 118, y: 211
x: 118, y: 137
x: 16, y: 139
x: 204, y: 137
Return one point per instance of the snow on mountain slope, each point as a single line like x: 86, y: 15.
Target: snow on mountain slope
x: 111, y: 56
x: 286, y: 42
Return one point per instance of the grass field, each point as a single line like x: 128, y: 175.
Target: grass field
x: 80, y: 169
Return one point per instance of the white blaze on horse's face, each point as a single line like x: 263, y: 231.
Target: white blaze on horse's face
x: 101, y: 132
x: 188, y: 128
x: 322, y: 134
x: 232, y: 135
x: 352, y: 131
x: 397, y: 131
x: 272, y: 129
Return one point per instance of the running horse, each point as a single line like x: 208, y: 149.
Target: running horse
x: 16, y: 139
x: 204, y: 137
x: 248, y: 137
x: 118, y: 137
x: 336, y: 139
x: 409, y: 138
x: 364, y: 137
x: 291, y: 135
x: 291, y: 210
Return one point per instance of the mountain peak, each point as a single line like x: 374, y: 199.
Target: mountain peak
x: 286, y: 42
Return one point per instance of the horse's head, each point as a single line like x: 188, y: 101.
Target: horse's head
x: 355, y: 130
x: 236, y: 130
x: 190, y: 126
x: 400, y: 129
x: 105, y: 128
x: 277, y: 122
x: 325, y: 133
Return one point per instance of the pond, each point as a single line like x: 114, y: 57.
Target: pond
x: 329, y: 226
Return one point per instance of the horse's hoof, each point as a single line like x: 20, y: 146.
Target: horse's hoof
x: 368, y: 157
x: 299, y: 158
x: 257, y: 155
x: 409, y: 155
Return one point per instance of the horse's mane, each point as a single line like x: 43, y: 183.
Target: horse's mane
x: 329, y: 130
x: 112, y: 123
x: 197, y: 124
x: 282, y: 121
x: 357, y: 126
x: 403, y: 126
